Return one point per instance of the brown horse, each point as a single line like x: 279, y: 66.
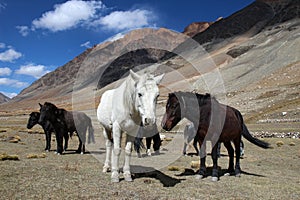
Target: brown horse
x: 216, y: 123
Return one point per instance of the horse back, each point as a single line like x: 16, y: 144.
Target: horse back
x: 220, y: 119
x: 104, y: 110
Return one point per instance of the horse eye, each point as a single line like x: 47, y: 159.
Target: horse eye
x: 174, y: 106
x: 140, y: 95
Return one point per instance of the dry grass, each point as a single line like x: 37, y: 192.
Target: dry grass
x: 34, y: 155
x: 267, y: 174
x: 5, y: 156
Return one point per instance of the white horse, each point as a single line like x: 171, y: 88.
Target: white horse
x: 124, y: 109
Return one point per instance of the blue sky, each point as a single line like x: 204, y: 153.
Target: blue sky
x: 37, y: 36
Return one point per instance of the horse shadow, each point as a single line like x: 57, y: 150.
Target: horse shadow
x: 150, y: 172
x: 222, y: 172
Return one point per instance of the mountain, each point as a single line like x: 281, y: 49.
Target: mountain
x: 3, y: 98
x: 249, y: 59
x: 253, y: 19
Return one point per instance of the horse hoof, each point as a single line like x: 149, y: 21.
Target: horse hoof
x: 106, y: 169
x: 199, y: 176
x: 81, y: 153
x: 115, y: 180
x: 115, y: 177
x: 227, y: 174
x: 238, y: 175
x: 139, y: 155
x: 47, y: 150
x: 55, y: 152
x: 214, y: 179
x: 148, y: 152
x: 127, y: 177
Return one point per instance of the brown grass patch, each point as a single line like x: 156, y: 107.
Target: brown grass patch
x: 6, y: 156
x: 279, y: 143
x: 33, y: 155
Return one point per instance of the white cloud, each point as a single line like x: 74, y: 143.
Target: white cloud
x: 9, y: 94
x: 125, y: 20
x: 5, y: 71
x: 86, y: 44
x: 37, y: 71
x: 2, y: 6
x: 68, y: 15
x: 13, y: 83
x: 2, y: 45
x: 9, y: 55
x: 23, y: 30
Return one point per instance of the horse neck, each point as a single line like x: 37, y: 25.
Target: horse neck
x: 129, y: 96
x: 191, y: 106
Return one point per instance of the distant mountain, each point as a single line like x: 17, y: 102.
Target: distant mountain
x: 103, y: 56
x: 3, y: 98
x: 253, y: 19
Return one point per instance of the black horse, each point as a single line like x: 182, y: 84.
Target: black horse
x: 65, y: 121
x: 46, y: 125
x: 216, y: 122
x: 151, y: 134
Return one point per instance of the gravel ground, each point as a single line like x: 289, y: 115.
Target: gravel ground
x: 267, y: 174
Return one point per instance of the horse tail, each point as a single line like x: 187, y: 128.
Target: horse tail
x: 248, y: 136
x: 91, y: 137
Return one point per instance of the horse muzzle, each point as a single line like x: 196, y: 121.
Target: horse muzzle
x: 148, y: 121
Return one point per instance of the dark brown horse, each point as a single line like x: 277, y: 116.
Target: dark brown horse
x: 46, y: 125
x: 216, y: 123
x: 65, y: 121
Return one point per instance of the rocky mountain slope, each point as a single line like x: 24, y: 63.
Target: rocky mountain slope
x: 249, y: 60
x: 3, y: 98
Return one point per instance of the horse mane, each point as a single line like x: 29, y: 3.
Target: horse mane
x: 202, y: 98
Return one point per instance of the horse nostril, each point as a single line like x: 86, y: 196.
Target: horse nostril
x: 146, y: 122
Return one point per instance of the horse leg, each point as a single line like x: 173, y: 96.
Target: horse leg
x: 137, y: 146
x: 231, y: 158
x: 66, y: 137
x: 237, y: 143
x: 156, y: 143
x: 80, y: 144
x: 219, y: 149
x: 128, y: 150
x: 242, y: 149
x: 202, y: 154
x: 148, y: 145
x: 83, y: 141
x: 116, y: 152
x: 196, y: 147
x: 108, y: 145
x: 214, y: 155
x: 184, y: 148
x: 59, y: 141
x: 48, y: 140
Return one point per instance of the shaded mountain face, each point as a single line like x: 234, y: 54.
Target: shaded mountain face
x: 138, y: 59
x: 253, y: 18
x: 3, y: 98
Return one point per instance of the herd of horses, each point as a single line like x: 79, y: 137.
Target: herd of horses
x: 130, y: 109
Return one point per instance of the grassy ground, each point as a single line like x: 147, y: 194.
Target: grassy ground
x: 267, y: 174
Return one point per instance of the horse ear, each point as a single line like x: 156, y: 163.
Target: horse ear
x: 159, y: 78
x: 134, y: 76
x: 40, y: 105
